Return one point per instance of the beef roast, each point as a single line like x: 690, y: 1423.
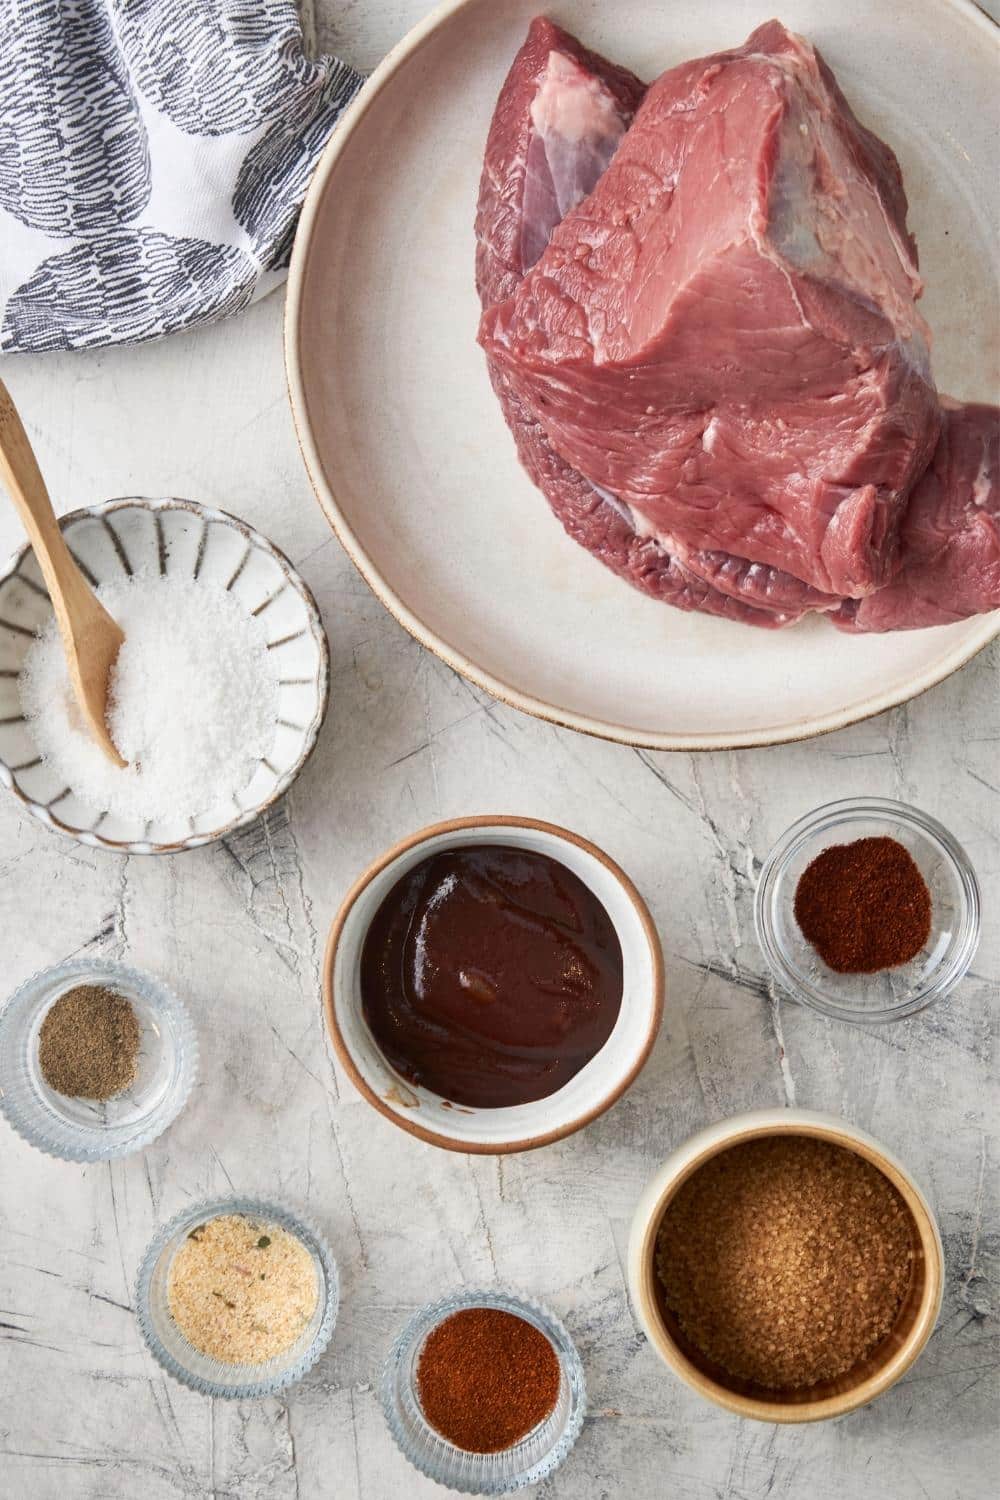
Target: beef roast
x: 754, y: 481
x: 950, y: 535
x: 724, y: 334
x: 560, y: 116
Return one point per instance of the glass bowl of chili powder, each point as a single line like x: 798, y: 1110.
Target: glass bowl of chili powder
x: 869, y: 905
x: 480, y: 1403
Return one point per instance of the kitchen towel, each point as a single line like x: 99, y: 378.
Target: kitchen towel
x: 153, y: 159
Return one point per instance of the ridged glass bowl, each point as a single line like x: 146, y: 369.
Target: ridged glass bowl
x: 88, y: 1129
x: 893, y: 993
x: 202, y: 1372
x: 537, y: 1455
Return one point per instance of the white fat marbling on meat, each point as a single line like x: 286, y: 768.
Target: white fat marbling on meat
x: 579, y: 124
x: 982, y: 485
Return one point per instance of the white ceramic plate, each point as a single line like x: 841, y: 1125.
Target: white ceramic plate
x: 404, y: 440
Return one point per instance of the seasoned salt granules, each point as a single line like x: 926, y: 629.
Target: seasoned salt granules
x: 242, y: 1290
x: 193, y: 702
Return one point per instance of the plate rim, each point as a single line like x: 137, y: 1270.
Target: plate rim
x: 452, y: 656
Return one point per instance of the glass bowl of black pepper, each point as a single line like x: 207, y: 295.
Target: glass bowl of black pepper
x: 867, y: 910
x: 96, y: 1060
x: 477, y: 1398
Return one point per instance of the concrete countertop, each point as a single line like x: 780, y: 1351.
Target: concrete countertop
x: 239, y: 929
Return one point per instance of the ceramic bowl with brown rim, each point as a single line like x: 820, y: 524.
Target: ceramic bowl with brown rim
x: 166, y: 538
x: 520, y: 1127
x: 880, y: 1369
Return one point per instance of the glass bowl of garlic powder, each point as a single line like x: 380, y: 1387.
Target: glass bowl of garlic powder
x: 237, y: 1298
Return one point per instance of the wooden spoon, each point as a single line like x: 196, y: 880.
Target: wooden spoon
x: 91, y: 638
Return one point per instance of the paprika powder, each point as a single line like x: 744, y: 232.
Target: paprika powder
x: 486, y: 1378
x: 864, y: 906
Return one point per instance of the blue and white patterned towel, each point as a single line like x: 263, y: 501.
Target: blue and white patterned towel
x: 153, y: 158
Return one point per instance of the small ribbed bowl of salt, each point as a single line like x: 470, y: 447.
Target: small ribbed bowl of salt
x: 216, y: 699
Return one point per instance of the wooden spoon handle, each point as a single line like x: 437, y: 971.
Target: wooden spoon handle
x: 23, y: 478
x: 91, y: 638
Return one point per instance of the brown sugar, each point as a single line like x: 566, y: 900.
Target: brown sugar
x: 786, y: 1259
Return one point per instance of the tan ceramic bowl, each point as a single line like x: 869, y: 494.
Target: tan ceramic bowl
x: 887, y: 1362
x: 521, y: 1127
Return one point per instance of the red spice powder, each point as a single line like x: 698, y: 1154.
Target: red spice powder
x: 864, y: 906
x: 486, y: 1378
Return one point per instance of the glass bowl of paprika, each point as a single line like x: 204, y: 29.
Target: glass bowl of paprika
x: 484, y: 1392
x: 867, y: 910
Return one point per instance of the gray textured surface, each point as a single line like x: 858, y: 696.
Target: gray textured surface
x: 239, y: 930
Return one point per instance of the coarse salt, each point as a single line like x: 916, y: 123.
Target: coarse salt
x: 193, y: 702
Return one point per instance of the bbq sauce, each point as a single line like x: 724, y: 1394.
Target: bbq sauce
x: 490, y: 975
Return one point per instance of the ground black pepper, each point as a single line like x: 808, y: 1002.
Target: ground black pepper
x: 864, y: 906
x: 88, y: 1045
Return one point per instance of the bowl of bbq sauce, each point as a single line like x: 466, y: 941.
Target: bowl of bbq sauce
x: 492, y: 984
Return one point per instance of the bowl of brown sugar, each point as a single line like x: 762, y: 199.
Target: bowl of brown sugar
x: 785, y: 1266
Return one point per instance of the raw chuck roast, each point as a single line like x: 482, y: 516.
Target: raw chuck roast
x: 699, y: 318
x: 950, y: 534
